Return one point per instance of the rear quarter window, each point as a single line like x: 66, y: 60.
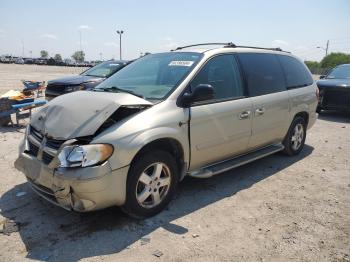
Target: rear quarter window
x: 295, y: 72
x: 263, y: 73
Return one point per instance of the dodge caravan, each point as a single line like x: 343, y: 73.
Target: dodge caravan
x: 189, y: 112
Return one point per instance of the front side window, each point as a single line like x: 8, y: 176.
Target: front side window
x: 154, y: 76
x: 263, y: 73
x: 295, y: 72
x: 223, y: 74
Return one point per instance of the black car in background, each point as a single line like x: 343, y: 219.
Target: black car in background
x: 335, y: 89
x: 85, y: 81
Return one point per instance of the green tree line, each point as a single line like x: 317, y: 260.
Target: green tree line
x: 328, y: 62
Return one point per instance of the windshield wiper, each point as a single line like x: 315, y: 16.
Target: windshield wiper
x: 118, y: 90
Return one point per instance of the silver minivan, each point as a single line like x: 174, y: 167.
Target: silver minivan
x: 189, y: 112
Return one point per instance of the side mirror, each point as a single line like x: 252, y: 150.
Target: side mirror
x: 322, y: 76
x: 201, y: 92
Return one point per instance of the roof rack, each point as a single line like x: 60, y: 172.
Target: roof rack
x: 224, y: 44
x: 231, y: 45
x: 262, y: 48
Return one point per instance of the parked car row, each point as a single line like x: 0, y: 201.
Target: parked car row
x: 131, y: 139
x: 87, y: 80
x: 45, y: 61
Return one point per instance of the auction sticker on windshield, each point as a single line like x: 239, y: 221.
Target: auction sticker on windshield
x: 181, y: 63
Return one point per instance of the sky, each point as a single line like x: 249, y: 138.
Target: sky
x: 26, y: 27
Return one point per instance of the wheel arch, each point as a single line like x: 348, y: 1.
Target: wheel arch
x: 168, y: 144
x: 304, y: 115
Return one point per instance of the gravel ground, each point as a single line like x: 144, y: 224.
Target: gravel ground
x: 276, y: 209
x: 12, y: 74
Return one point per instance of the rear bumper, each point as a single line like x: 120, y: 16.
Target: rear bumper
x: 79, y: 189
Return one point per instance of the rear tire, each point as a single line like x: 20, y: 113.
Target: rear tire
x: 295, y: 138
x: 152, y: 181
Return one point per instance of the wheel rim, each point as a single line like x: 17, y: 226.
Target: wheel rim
x: 297, y: 137
x: 153, y: 185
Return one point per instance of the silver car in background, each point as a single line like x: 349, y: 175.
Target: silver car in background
x: 189, y: 112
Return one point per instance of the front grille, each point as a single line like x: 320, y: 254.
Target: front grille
x: 55, y: 88
x: 53, y: 143
x: 49, y: 143
x: 37, y: 135
x: 33, y: 149
x: 47, y: 158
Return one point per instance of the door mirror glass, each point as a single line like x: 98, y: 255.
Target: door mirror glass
x: 202, y: 92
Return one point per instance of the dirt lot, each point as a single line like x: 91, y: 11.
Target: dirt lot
x: 275, y: 209
x: 12, y: 74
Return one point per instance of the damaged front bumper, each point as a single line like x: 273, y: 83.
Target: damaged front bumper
x: 79, y: 189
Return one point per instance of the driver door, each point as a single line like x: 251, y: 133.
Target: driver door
x: 220, y: 128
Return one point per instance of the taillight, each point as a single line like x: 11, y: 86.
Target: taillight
x: 318, y: 93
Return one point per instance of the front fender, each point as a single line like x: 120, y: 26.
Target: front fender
x: 127, y: 148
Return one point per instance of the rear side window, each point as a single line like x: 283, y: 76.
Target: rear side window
x: 296, y: 73
x: 263, y: 73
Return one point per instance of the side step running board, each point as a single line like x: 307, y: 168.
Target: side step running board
x: 235, y: 162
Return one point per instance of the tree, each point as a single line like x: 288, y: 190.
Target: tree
x: 58, y: 58
x: 44, y: 54
x: 79, y: 56
x: 313, y: 65
x: 335, y: 59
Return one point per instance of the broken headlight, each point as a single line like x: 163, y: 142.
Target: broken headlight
x: 84, y: 155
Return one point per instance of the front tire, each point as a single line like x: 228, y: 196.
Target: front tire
x: 152, y: 181
x: 295, y: 138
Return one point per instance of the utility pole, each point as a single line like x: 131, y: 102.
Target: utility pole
x: 81, y: 47
x: 101, y: 56
x: 120, y: 43
x: 22, y: 48
x: 325, y: 49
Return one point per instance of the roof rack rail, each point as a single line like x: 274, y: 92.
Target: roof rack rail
x: 231, y: 45
x: 224, y: 44
x: 262, y: 48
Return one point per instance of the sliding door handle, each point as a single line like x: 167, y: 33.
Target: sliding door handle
x: 244, y: 115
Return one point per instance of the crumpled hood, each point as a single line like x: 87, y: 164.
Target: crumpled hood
x: 333, y: 83
x: 74, y: 80
x: 80, y: 113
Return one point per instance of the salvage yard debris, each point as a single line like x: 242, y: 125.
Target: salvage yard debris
x: 8, y: 226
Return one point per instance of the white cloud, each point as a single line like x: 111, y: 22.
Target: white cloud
x: 278, y: 42
x: 49, y: 36
x: 84, y: 27
x: 168, y: 43
x: 111, y: 44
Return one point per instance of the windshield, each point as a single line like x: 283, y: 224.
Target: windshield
x: 104, y: 69
x: 340, y: 72
x: 153, y: 76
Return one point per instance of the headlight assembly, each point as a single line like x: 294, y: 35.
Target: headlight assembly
x: 84, y: 155
x: 73, y: 88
